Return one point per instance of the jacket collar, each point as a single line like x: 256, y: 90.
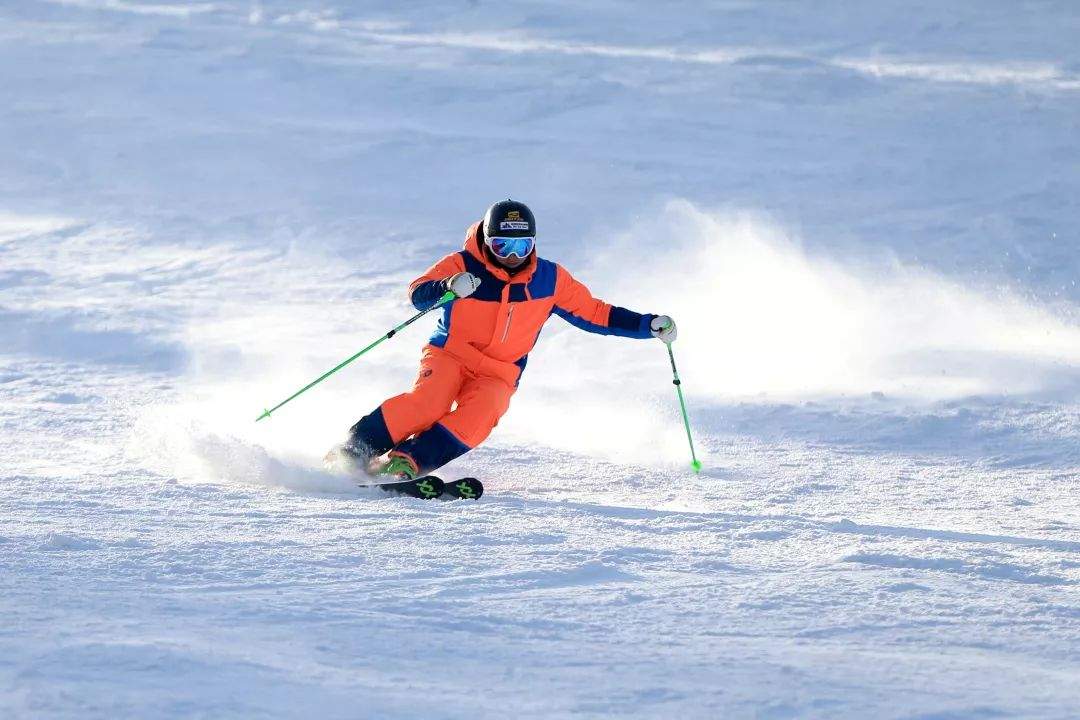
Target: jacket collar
x: 472, y: 246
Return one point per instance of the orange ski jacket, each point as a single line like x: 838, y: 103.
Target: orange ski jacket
x: 492, y: 331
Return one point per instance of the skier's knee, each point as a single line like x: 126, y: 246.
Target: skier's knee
x: 420, y: 414
x: 472, y: 428
x: 410, y: 413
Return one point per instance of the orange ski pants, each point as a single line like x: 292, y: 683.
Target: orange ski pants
x: 446, y: 393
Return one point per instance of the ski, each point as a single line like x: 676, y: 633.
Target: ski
x: 462, y: 489
x: 425, y: 488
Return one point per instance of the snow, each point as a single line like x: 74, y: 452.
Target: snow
x: 863, y: 217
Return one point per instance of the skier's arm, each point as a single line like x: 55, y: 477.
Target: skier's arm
x: 576, y: 305
x: 426, y: 290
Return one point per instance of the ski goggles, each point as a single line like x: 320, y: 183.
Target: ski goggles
x: 504, y: 247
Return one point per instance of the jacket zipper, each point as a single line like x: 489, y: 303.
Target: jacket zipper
x: 509, y: 317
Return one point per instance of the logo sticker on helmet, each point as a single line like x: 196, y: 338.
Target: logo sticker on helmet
x: 514, y: 225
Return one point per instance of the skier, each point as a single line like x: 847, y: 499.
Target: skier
x: 504, y: 294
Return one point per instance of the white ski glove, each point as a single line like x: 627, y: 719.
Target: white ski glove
x: 663, y: 327
x: 462, y: 284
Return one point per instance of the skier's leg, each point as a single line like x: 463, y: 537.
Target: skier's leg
x: 481, y: 403
x: 399, y: 417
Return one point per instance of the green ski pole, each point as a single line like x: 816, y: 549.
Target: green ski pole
x: 695, y: 463
x: 447, y: 297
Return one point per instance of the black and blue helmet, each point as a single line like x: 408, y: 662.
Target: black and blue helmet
x: 509, y: 229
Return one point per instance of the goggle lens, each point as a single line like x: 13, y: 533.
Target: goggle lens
x: 504, y: 247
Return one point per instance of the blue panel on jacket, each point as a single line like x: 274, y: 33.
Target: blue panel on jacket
x: 640, y: 332
x: 427, y: 294
x: 580, y: 322
x: 442, y: 330
x: 542, y: 284
x: 630, y: 323
x: 517, y: 292
x: 521, y: 366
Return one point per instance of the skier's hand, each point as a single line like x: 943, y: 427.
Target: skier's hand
x: 663, y: 327
x: 462, y: 284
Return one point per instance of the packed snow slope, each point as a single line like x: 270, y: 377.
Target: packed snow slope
x: 864, y: 217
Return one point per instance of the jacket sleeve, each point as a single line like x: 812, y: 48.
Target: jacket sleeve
x: 426, y: 290
x: 576, y: 305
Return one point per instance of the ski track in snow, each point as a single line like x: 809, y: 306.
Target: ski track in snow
x: 863, y: 219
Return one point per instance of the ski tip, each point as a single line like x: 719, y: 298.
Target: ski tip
x: 467, y: 488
